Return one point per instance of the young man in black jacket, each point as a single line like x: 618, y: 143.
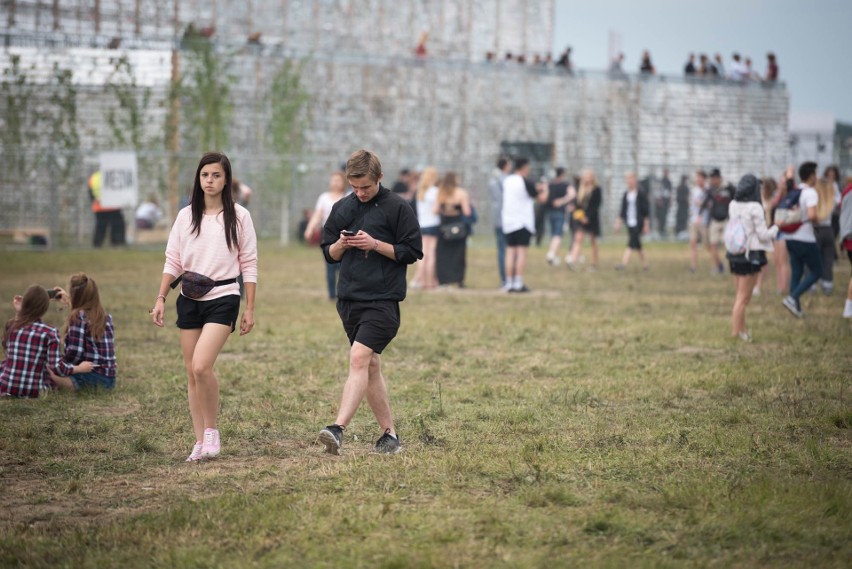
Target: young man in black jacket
x: 374, y: 234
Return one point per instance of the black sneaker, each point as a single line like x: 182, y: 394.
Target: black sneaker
x: 388, y: 444
x: 332, y: 438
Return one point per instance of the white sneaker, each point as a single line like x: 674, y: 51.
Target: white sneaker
x: 745, y: 336
x: 210, y: 446
x: 195, y: 454
x: 755, y: 291
x: 790, y: 304
x: 847, y: 310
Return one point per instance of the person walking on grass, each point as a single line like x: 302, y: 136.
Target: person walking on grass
x: 717, y: 199
x: 495, y: 190
x: 587, y: 217
x: 425, y: 276
x: 697, y: 214
x: 31, y: 349
x: 89, y: 335
x: 518, y: 223
x: 337, y: 188
x: 802, y: 246
x: 747, y: 217
x: 845, y: 235
x: 211, y: 242
x: 635, y: 214
x: 375, y: 235
x: 559, y: 194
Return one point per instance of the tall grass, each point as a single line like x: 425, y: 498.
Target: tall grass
x: 606, y: 419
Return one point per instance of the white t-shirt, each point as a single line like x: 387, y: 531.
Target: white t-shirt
x: 426, y: 209
x: 805, y: 233
x: 518, y: 206
x: 324, y: 204
x: 631, y: 209
x: 696, y: 198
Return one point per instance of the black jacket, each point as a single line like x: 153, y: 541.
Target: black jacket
x: 388, y: 218
x: 643, y: 209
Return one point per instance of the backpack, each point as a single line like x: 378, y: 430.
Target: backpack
x: 736, y: 236
x: 788, y: 218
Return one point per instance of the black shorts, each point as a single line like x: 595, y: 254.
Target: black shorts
x: 519, y: 238
x: 745, y: 268
x: 193, y: 314
x: 634, y: 238
x: 373, y: 323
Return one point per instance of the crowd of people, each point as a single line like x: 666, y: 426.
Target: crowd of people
x: 740, y: 68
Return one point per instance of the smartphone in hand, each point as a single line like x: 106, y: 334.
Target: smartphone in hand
x: 347, y: 233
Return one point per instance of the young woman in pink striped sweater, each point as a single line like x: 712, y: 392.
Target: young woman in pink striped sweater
x: 212, y: 237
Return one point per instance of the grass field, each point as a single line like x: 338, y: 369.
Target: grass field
x: 606, y: 419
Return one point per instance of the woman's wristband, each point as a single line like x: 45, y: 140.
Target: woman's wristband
x: 159, y: 296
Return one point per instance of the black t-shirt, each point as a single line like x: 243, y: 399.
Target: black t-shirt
x: 399, y: 187
x: 556, y: 191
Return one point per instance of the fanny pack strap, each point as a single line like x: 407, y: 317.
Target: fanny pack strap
x: 215, y: 283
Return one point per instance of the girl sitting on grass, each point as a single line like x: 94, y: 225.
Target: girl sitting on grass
x: 89, y: 335
x: 31, y: 349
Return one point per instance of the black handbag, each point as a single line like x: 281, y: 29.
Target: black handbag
x: 453, y: 230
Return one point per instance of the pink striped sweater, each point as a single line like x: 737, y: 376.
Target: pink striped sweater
x: 208, y: 254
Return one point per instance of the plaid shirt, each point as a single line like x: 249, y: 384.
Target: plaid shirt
x: 81, y: 346
x: 30, y: 352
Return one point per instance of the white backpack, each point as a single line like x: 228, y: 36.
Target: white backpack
x: 736, y: 236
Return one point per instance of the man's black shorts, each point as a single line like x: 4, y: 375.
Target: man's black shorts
x: 519, y: 238
x: 373, y: 323
x: 193, y: 314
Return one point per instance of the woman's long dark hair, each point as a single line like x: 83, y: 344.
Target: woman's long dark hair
x: 33, y: 306
x: 229, y: 213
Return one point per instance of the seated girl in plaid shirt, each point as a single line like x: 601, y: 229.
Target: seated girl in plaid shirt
x: 31, y: 349
x: 89, y: 335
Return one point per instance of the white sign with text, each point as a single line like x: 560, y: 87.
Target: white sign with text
x: 119, y: 179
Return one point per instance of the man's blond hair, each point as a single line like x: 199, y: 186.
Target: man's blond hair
x: 363, y: 163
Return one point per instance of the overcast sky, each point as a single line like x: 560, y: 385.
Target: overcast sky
x: 811, y: 39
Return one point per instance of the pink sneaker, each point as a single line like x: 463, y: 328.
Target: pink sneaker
x: 210, y: 446
x: 195, y: 454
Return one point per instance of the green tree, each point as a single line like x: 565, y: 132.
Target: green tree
x: 127, y: 122
x: 205, y: 91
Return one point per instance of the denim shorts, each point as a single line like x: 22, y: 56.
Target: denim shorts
x: 92, y: 380
x: 557, y: 222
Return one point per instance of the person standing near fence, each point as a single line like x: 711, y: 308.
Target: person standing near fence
x: 106, y: 218
x: 495, y: 190
x: 635, y: 213
x: 375, y: 235
x: 211, y: 242
x: 337, y: 187
x: 518, y: 216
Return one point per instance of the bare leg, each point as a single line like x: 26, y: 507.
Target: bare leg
x: 356, y: 385
x: 430, y: 247
x: 782, y: 267
x: 643, y: 259
x: 520, y: 261
x: 849, y: 290
x: 511, y: 262
x: 201, y: 348
x: 759, y: 281
x: 745, y: 284
x: 626, y: 257
x: 693, y: 254
x: 555, y: 242
x: 594, y: 240
x: 377, y: 395
x: 714, y: 254
x: 577, y: 246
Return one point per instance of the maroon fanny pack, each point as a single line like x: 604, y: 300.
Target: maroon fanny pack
x: 196, y: 285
